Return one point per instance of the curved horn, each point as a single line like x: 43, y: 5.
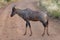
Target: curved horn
x: 13, y: 8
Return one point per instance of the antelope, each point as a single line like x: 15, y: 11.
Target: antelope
x: 30, y: 15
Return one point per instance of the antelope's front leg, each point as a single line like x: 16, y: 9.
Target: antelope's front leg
x: 26, y: 28
x: 29, y: 27
x: 30, y: 31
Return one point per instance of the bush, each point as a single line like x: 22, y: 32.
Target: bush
x: 8, y: 0
x: 55, y: 14
x: 53, y: 9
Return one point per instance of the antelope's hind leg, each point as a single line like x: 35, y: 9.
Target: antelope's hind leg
x: 45, y: 28
x: 44, y: 31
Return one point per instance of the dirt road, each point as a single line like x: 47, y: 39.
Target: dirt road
x: 14, y: 28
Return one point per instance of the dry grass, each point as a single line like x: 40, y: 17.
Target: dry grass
x: 3, y: 3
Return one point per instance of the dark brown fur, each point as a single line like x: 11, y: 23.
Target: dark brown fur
x: 30, y: 15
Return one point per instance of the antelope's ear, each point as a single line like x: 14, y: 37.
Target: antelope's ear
x: 13, y: 8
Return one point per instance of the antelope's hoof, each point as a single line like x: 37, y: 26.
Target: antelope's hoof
x: 30, y: 35
x: 48, y: 34
x: 24, y: 34
x: 43, y: 34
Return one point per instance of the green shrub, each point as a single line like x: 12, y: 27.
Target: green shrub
x: 55, y: 14
x: 8, y: 0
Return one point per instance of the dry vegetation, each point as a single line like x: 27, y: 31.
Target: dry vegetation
x: 3, y: 3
